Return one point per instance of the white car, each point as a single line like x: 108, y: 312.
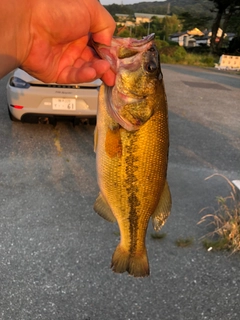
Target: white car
x: 31, y: 100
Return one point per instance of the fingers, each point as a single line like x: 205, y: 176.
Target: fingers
x: 64, y: 55
x: 102, y: 25
x: 87, y: 73
x: 109, y: 78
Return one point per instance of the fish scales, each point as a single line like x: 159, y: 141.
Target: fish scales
x: 131, y: 167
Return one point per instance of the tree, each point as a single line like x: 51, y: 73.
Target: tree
x: 225, y: 10
x: 170, y: 25
x: 140, y: 31
x: 162, y: 27
x: 234, y: 46
x: 124, y: 34
x: 190, y: 21
x: 234, y: 25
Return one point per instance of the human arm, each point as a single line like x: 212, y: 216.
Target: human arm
x: 49, y: 39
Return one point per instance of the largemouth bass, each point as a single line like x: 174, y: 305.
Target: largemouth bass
x: 131, y: 144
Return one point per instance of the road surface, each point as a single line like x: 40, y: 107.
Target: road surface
x: 55, y: 252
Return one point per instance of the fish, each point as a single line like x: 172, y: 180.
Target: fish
x: 131, y: 142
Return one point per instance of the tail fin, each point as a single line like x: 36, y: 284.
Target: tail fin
x: 136, y: 265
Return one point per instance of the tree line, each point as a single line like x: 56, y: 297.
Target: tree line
x: 224, y: 14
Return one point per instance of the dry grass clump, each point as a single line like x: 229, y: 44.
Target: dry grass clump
x: 226, y: 222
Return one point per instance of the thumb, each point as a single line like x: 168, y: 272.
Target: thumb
x: 102, y: 26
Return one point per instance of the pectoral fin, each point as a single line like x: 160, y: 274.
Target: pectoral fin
x: 103, y: 209
x: 163, y: 209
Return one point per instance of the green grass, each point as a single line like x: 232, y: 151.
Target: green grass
x: 178, y: 55
x: 190, y: 59
x: 220, y: 244
x: 158, y: 236
x: 184, y: 242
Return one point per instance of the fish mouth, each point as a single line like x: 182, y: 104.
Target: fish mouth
x: 144, y: 40
x: 114, y: 110
x: 109, y: 53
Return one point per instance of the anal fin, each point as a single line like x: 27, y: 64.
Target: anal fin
x: 102, y: 208
x: 163, y: 209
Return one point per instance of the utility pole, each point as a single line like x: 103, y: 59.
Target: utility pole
x: 169, y: 9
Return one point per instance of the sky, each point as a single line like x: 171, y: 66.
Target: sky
x: 106, y: 2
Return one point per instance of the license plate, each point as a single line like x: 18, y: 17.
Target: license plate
x: 63, y: 104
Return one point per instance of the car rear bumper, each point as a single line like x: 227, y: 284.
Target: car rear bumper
x: 38, y: 101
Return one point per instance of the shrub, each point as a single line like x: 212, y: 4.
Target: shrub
x: 161, y: 43
x: 168, y: 51
x: 179, y: 54
x: 207, y: 60
x: 166, y: 59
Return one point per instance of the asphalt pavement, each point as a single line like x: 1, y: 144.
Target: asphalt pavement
x: 55, y: 251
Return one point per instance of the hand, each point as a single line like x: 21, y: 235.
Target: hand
x: 58, y: 49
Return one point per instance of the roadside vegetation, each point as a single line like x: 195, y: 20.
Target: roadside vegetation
x: 225, y: 220
x: 182, y: 16
x: 171, y: 52
x: 174, y: 54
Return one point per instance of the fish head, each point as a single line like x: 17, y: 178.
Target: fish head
x: 131, y: 101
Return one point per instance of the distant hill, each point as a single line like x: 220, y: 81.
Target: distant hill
x: 198, y: 8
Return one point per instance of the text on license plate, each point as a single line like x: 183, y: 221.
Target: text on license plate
x: 63, y: 104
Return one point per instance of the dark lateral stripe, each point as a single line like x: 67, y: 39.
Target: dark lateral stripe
x: 132, y: 191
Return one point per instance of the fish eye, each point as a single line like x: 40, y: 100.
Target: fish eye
x: 151, y: 66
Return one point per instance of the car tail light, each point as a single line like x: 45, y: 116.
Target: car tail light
x: 16, y: 106
x: 19, y: 83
